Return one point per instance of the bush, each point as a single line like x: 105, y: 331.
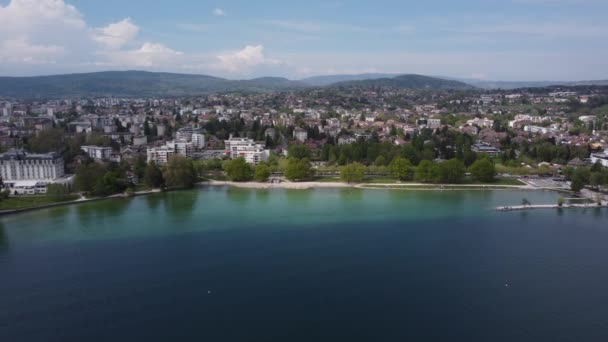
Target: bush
x: 238, y: 170
x: 352, y: 173
x: 298, y: 170
x: 262, y: 173
x: 483, y: 170
x: 401, y: 168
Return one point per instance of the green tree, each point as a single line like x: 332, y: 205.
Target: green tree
x: 87, y: 176
x: 109, y: 184
x: 380, y: 161
x: 401, y: 168
x: 298, y: 151
x: 580, y: 178
x: 426, y: 172
x: 298, y: 169
x: 451, y: 171
x: 153, y: 176
x: 352, y: 173
x: 179, y: 173
x: 262, y: 173
x: 48, y: 140
x: 57, y: 190
x: 238, y: 170
x: 483, y: 170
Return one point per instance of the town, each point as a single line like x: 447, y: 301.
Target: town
x: 106, y: 146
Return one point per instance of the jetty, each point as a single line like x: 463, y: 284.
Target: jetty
x: 550, y: 206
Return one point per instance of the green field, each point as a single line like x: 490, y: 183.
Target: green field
x: 23, y: 202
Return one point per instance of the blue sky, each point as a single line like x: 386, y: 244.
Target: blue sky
x: 491, y: 39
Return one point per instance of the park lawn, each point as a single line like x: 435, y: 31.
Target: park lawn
x: 327, y: 179
x: 498, y: 181
x: 381, y: 180
x: 23, y: 202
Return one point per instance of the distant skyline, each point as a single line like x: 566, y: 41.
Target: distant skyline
x: 507, y: 40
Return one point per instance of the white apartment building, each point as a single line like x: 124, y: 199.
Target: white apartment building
x: 98, y: 152
x: 194, y: 135
x: 198, y: 140
x: 483, y: 123
x: 602, y: 158
x: 300, y: 134
x: 252, y: 152
x: 17, y: 165
x: 161, y: 155
x: 26, y: 173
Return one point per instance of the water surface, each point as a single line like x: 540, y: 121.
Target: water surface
x: 225, y: 264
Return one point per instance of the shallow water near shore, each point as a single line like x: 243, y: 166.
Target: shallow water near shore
x: 227, y: 264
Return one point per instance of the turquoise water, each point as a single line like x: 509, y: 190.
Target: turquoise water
x: 226, y: 264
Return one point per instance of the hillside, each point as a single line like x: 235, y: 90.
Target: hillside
x: 407, y: 82
x: 320, y: 81
x: 133, y: 84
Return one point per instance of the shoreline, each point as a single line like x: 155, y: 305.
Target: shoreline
x: 379, y: 186
x: 78, y: 201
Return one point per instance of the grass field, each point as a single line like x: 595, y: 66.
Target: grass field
x: 23, y: 202
x: 499, y: 181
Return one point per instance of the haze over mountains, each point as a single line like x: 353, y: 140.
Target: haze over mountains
x: 158, y: 84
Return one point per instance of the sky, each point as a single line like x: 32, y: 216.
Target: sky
x: 509, y: 40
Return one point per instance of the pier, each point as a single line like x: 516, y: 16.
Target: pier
x: 550, y: 206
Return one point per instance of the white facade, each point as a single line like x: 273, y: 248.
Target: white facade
x: 248, y: 149
x: 198, y: 140
x: 483, y: 123
x: 18, y: 165
x: 300, y: 134
x: 600, y: 157
x: 98, y: 152
x: 161, y: 155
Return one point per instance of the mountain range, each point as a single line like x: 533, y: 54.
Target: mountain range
x: 159, y: 84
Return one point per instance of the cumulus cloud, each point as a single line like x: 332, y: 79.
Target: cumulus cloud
x: 35, y: 34
x: 149, y: 55
x: 116, y: 35
x: 243, y: 60
x: 22, y: 51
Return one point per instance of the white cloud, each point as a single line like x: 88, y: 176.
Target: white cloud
x: 22, y: 51
x: 218, y: 12
x: 116, y: 35
x: 149, y: 55
x: 243, y: 60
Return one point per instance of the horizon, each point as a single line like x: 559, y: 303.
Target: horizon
x: 384, y: 75
x: 510, y: 41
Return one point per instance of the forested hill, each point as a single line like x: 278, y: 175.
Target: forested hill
x: 134, y: 84
x: 406, y: 82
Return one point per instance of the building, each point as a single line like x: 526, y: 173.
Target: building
x: 300, y: 134
x: 346, y: 139
x: 602, y: 158
x: 252, y: 152
x: 98, y: 152
x: 198, y: 140
x: 140, y: 140
x: 429, y: 123
x: 194, y: 135
x: 487, y: 149
x: 481, y: 122
x: 161, y: 155
x: 25, y: 173
x: 270, y: 133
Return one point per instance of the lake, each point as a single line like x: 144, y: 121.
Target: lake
x: 228, y: 264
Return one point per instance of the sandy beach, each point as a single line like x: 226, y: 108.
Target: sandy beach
x: 320, y: 185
